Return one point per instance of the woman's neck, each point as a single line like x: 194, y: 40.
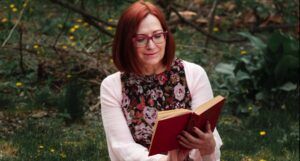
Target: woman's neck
x: 151, y: 70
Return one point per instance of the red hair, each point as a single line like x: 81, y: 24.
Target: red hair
x: 123, y: 52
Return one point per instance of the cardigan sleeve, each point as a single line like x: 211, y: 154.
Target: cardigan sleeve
x: 201, y: 92
x: 121, y: 145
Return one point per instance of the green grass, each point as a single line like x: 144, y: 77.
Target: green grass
x: 243, y: 141
x: 49, y: 139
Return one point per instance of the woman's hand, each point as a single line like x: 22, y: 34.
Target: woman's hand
x: 205, y: 142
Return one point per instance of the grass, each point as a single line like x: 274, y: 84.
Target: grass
x: 271, y: 136
x: 49, y: 139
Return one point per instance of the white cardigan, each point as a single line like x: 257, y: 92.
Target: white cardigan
x: 121, y: 145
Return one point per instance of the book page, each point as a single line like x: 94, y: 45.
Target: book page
x: 204, y: 107
x: 172, y: 113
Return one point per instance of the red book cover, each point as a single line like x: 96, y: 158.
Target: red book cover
x: 170, y: 124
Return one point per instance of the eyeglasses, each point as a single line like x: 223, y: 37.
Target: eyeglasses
x: 141, y: 40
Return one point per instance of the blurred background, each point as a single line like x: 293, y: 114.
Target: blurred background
x: 55, y: 53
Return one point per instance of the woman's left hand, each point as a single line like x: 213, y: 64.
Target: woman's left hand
x: 205, y: 142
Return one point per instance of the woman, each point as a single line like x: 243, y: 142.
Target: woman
x: 151, y: 79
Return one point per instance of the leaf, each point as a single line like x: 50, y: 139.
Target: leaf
x: 225, y: 69
x: 255, y: 41
x: 240, y: 75
x: 289, y: 86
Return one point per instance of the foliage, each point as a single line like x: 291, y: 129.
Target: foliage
x: 265, y: 77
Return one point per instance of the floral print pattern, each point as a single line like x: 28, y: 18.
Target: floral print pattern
x: 144, y: 96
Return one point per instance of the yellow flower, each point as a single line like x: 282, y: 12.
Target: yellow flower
x: 72, y: 29
x: 14, y: 9
x: 111, y: 61
x: 36, y: 46
x: 79, y: 20
x: 3, y: 20
x: 85, y: 24
x: 63, y: 155
x: 250, y: 108
x: 215, y: 29
x: 262, y: 133
x: 71, y: 37
x: 52, y: 150
x: 76, y: 26
x: 19, y: 84
x: 65, y: 47
x: 41, y: 147
x: 243, y: 52
x: 109, y: 28
x: 73, y: 44
x: 25, y: 5
x: 262, y: 160
x: 60, y: 26
x: 12, y: 6
x: 110, y: 20
x: 69, y: 76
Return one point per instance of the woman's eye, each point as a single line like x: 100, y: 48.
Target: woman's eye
x: 157, y: 36
x: 140, y: 39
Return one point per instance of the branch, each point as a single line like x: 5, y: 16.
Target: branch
x: 87, y: 17
x: 211, y: 20
x: 16, y: 24
x: 204, y: 32
x: 81, y: 12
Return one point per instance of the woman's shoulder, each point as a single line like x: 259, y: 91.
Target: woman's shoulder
x: 191, y: 67
x: 112, y: 78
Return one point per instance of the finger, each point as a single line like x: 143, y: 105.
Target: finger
x: 200, y: 133
x: 190, y: 137
x: 184, y: 143
x: 208, y: 127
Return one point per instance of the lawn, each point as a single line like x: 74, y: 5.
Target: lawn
x: 268, y: 136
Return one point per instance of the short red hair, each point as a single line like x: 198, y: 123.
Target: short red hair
x: 123, y: 52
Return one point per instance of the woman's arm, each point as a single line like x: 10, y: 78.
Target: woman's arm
x: 121, y: 145
x: 201, y: 92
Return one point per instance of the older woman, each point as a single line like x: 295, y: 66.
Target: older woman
x: 151, y: 79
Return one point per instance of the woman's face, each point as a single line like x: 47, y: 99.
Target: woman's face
x: 150, y: 43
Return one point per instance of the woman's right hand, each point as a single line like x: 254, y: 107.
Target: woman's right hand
x: 178, y: 154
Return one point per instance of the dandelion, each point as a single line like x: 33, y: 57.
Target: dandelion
x: 69, y: 76
x: 19, y: 84
x: 3, y: 20
x: 14, y: 9
x: 25, y: 5
x: 262, y: 160
x: 243, y: 52
x: 72, y: 29
x: 52, y: 150
x: 41, y: 146
x: 76, y: 26
x: 65, y: 47
x: 71, y: 37
x: 110, y: 20
x: 216, y: 29
x: 36, y: 46
x: 262, y: 133
x: 63, y: 155
x: 109, y: 28
x: 79, y: 20
x: 250, y: 108
x: 85, y: 24
x: 60, y: 26
x: 12, y: 6
x: 73, y: 44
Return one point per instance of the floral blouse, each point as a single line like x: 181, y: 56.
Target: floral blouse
x: 143, y: 96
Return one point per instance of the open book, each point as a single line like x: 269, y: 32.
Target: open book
x: 169, y: 124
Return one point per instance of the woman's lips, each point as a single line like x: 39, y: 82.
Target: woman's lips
x: 150, y: 53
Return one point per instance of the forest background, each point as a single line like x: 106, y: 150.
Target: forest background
x: 55, y: 53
